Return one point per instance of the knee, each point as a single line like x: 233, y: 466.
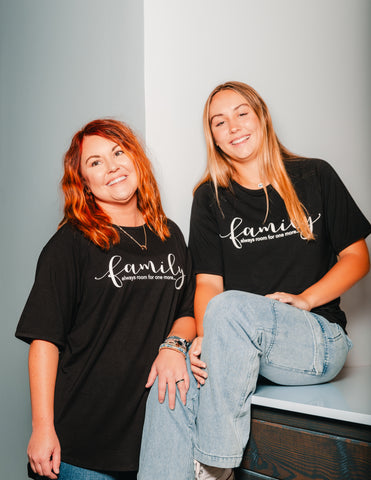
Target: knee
x: 221, y: 310
x: 235, y: 310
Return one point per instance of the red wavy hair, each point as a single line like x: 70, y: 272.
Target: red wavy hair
x: 80, y: 208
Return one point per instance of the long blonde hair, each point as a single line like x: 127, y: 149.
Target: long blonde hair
x: 220, y: 169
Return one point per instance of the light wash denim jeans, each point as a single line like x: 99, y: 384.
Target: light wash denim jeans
x: 71, y: 472
x: 244, y: 335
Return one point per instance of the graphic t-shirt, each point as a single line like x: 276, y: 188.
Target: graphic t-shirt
x: 264, y: 257
x: 108, y: 312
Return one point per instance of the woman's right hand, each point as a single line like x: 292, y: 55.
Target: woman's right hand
x: 44, y: 452
x: 197, y: 365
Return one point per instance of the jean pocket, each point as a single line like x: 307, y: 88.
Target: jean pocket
x: 298, y: 342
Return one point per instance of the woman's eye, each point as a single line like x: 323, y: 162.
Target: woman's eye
x: 118, y: 153
x: 95, y: 163
x: 243, y: 114
x: 219, y: 124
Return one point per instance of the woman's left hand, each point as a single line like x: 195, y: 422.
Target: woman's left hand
x: 171, y: 369
x: 297, y: 301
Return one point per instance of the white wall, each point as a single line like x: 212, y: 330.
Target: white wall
x: 63, y: 63
x: 309, y: 60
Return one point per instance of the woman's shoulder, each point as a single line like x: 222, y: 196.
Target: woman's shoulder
x: 64, y: 240
x: 174, y: 229
x: 306, y: 168
x: 205, y: 194
x: 304, y: 163
x: 204, y: 189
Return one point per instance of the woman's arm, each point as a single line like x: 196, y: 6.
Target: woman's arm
x: 43, y: 449
x: 207, y: 287
x: 170, y: 365
x: 352, y: 265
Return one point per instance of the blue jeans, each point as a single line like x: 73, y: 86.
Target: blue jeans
x: 71, y: 472
x: 244, y: 335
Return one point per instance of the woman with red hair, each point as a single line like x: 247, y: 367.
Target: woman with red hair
x: 111, y: 310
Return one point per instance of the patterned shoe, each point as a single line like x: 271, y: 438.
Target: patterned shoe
x: 205, y: 472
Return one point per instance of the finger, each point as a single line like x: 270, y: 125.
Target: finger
x: 200, y: 375
x: 195, y: 348
x: 171, y: 390
x: 200, y: 380
x: 273, y: 296
x: 151, y: 377
x: 182, y: 387
x: 199, y: 371
x: 161, y: 390
x: 280, y: 297
x: 56, y: 460
x: 52, y: 476
x: 186, y: 381
x: 32, y: 465
x: 285, y: 299
x: 196, y: 361
x: 38, y: 469
x: 196, y: 351
x: 46, y: 468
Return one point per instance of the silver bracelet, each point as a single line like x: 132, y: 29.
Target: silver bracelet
x: 172, y: 347
x: 178, y: 342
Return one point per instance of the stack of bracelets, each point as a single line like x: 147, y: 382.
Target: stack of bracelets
x: 175, y: 343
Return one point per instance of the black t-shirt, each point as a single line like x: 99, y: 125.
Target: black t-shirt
x: 108, y: 312
x: 265, y: 257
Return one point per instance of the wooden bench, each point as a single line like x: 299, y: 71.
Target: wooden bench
x: 320, y: 432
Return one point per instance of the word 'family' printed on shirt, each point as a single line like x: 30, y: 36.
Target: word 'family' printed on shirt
x: 167, y: 270
x: 240, y: 234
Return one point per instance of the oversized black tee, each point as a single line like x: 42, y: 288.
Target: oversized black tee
x: 108, y: 312
x: 264, y: 257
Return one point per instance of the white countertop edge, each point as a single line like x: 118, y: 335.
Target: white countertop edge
x: 315, y: 410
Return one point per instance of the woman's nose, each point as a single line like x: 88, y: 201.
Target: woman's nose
x: 233, y: 126
x: 112, y: 165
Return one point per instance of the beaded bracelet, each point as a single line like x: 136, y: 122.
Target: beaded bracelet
x: 179, y: 342
x: 175, y: 343
x: 172, y: 347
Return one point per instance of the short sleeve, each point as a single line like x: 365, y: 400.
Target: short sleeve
x: 345, y: 222
x: 49, y: 309
x: 204, y: 239
x: 185, y: 307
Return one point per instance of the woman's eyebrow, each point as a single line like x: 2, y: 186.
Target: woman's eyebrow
x: 235, y: 108
x: 98, y: 156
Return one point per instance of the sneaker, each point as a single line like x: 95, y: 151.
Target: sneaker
x: 205, y: 472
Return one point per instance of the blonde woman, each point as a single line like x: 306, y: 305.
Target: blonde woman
x: 275, y: 241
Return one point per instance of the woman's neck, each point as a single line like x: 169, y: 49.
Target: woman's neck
x: 248, y: 175
x: 127, y: 215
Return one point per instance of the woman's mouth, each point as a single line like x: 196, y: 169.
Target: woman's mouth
x: 240, y: 140
x: 117, y: 180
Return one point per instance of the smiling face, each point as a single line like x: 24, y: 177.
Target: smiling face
x: 235, y: 126
x: 109, y: 173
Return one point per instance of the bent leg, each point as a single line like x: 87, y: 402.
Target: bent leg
x: 247, y: 334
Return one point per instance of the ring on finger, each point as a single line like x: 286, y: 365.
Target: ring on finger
x: 178, y: 381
